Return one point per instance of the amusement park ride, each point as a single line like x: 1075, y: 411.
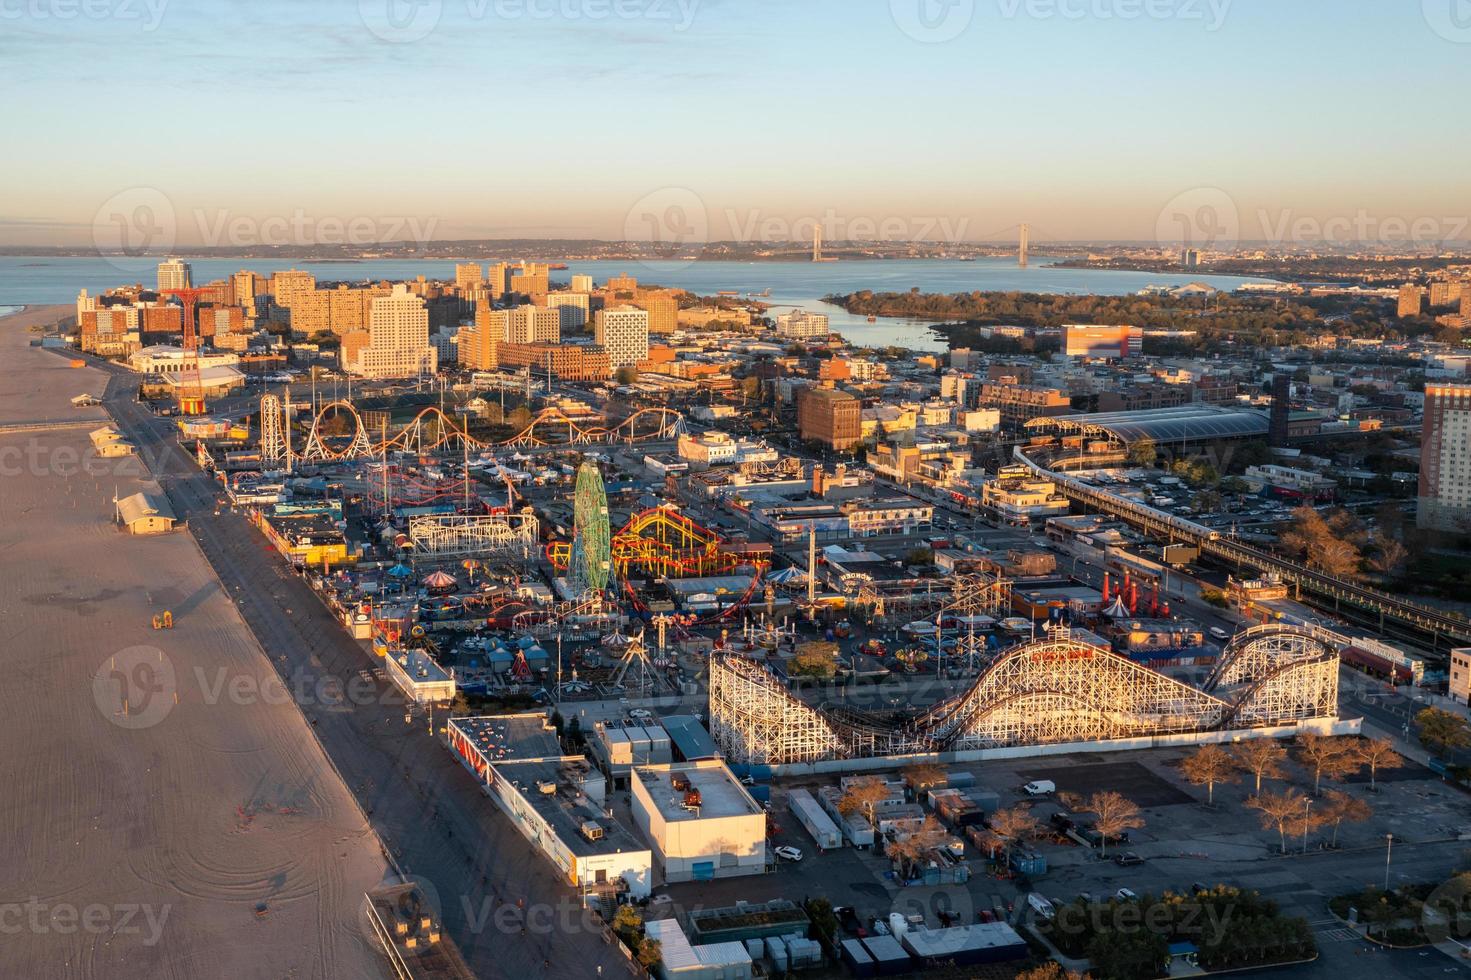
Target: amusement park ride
x: 191, y: 383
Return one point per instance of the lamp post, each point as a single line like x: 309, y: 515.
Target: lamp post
x: 1388, y: 850
x: 1307, y: 806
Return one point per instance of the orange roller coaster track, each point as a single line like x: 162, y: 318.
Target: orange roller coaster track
x: 432, y: 430
x: 663, y: 543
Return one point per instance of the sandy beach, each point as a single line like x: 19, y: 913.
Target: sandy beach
x: 160, y: 820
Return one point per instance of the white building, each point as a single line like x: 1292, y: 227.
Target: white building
x: 575, y: 308
x: 719, y: 449
x: 173, y: 274
x: 802, y: 325
x: 700, y: 820
x: 582, y: 284
x: 624, y: 332
x: 164, y: 361
x: 398, y: 345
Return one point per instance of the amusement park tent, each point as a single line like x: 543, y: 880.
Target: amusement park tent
x: 788, y: 576
x: 1118, y: 610
x: 400, y: 571
x: 440, y: 580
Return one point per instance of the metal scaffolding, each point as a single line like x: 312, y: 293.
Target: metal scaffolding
x: 272, y: 432
x: 1051, y: 691
x: 491, y: 535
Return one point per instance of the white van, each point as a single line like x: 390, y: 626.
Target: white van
x: 1039, y: 904
x: 1219, y: 633
x: 1041, y: 787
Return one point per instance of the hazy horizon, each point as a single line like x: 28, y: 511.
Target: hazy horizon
x: 148, y: 124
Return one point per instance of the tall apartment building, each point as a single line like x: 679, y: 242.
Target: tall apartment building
x: 622, y: 283
x: 1019, y: 404
x: 398, y: 339
x: 531, y: 279
x: 289, y: 284
x: 1466, y: 300
x: 174, y: 274
x: 469, y: 276
x: 582, y: 283
x: 533, y: 325
x: 829, y: 416
x: 1095, y: 342
x: 624, y: 332
x: 245, y: 286
x: 1445, y: 294
x: 1445, y: 458
x: 1411, y: 300
x: 217, y: 321
x: 802, y: 325
x: 570, y: 362
x: 479, y: 345
x: 575, y: 307
x: 498, y: 279
x: 662, y: 307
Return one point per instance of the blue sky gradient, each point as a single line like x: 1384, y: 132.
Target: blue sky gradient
x: 1074, y: 115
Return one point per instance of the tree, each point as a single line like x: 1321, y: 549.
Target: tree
x: 1115, y: 814
x: 1337, y: 806
x: 628, y: 923
x: 1143, y: 453
x: 1378, y: 753
x: 626, y: 375
x: 862, y: 796
x: 1208, y: 765
x: 1051, y: 970
x: 1441, y: 731
x: 1277, y: 810
x: 1128, y: 954
x: 650, y: 952
x: 1262, y: 757
x: 1014, y: 826
x: 1390, y: 555
x: 816, y: 658
x: 923, y: 775
x: 1324, y: 754
x: 911, y: 852
x: 1327, y: 544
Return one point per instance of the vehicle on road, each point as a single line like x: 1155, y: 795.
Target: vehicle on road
x: 1125, y: 895
x: 1128, y: 860
x: 1040, y: 905
x: 1040, y: 787
x: 788, y: 853
x: 1219, y: 633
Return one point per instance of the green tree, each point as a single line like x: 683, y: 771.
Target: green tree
x: 1441, y: 731
x: 650, y: 952
x: 1143, y: 453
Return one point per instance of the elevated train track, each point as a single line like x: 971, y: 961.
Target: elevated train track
x: 1327, y: 590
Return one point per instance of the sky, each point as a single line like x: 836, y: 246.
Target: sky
x: 241, y: 122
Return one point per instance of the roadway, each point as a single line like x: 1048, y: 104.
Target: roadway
x: 428, y: 812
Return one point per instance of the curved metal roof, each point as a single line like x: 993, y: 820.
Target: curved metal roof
x: 1186, y: 423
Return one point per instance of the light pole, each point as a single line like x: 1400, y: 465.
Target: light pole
x: 1307, y: 806
x: 1388, y: 850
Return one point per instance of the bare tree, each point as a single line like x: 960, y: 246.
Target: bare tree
x: 911, y: 851
x: 1390, y: 555
x: 1278, y: 810
x: 1207, y: 766
x: 862, y: 796
x: 1073, y: 802
x: 1115, y: 814
x: 924, y: 775
x: 1337, y: 806
x: 1378, y: 753
x: 1262, y: 757
x: 1051, y: 970
x: 1328, y: 544
x: 1326, y: 755
x: 1014, y: 826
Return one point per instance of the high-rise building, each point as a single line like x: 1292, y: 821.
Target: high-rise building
x: 174, y: 274
x: 398, y: 339
x: 829, y: 416
x: 531, y: 279
x: 479, y: 345
x: 662, y: 307
x: 1445, y: 459
x: 624, y: 332
x: 1466, y: 299
x: 622, y: 283
x: 576, y: 309
x: 582, y: 283
x: 498, y: 279
x: 1101, y: 343
x: 245, y: 286
x: 468, y: 277
x: 289, y: 284
x: 802, y: 325
x: 1411, y: 300
x: 533, y: 325
x: 1445, y: 294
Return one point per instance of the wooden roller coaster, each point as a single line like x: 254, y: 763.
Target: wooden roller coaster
x: 663, y: 543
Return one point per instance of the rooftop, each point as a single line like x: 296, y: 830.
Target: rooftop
x: 720, y: 794
x: 1184, y: 423
x: 511, y: 737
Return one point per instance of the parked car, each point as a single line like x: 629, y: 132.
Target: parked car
x: 1041, y: 906
x: 1063, y: 822
x: 788, y: 853
x: 1128, y: 860
x: 1040, y: 787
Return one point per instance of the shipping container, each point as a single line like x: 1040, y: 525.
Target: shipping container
x: 812, y: 817
x: 857, y: 959
x: 889, y: 957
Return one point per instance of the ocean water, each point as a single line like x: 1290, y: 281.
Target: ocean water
x: 44, y: 279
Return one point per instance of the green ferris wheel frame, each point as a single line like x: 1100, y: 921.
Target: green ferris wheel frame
x: 592, y: 541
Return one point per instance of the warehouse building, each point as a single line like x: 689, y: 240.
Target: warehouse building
x: 700, y: 820
x: 146, y: 513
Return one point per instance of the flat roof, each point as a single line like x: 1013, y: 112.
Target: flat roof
x: 1184, y: 423
x: 511, y: 737
x: 720, y: 794
x: 690, y: 737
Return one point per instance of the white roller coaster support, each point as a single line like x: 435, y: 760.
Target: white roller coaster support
x: 507, y: 535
